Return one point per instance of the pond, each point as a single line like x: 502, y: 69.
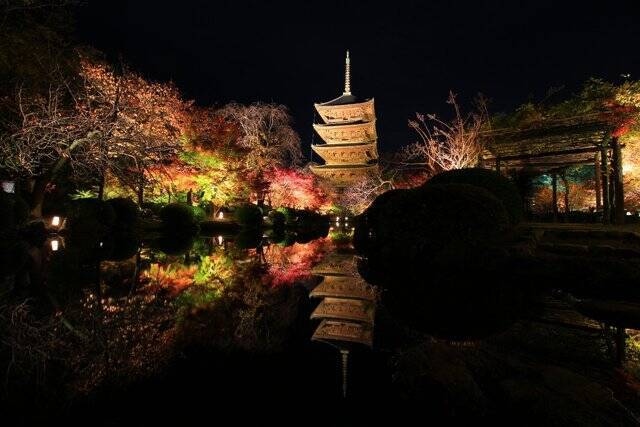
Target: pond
x: 164, y: 330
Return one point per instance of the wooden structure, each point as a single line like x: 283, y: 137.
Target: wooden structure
x: 348, y: 131
x: 554, y: 145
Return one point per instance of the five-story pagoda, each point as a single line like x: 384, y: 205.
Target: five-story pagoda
x: 348, y: 130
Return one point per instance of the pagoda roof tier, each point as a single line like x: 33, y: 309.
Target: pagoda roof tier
x: 347, y: 133
x: 343, y: 175
x: 344, y: 331
x: 333, y: 112
x: 347, y: 153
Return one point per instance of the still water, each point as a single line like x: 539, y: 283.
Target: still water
x: 166, y: 330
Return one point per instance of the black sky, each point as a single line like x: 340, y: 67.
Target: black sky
x: 405, y: 54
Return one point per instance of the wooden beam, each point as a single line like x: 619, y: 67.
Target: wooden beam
x: 547, y: 154
x: 567, y: 209
x: 551, y: 164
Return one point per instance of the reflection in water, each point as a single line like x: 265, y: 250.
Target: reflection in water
x: 346, y: 309
x: 126, y: 310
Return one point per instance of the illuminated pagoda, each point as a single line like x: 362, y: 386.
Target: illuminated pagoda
x: 348, y: 131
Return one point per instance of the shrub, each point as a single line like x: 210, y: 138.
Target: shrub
x: 178, y: 217
x: 432, y: 224
x: 434, y: 244
x: 126, y: 211
x: 199, y: 213
x: 248, y: 238
x: 501, y: 187
x: 249, y: 216
x: 14, y: 211
x: 90, y: 216
x: 278, y: 221
x: 289, y: 214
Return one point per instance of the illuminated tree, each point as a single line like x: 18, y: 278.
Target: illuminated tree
x: 294, y: 188
x: 140, y: 121
x: 106, y: 122
x: 267, y: 138
x: 44, y: 135
x: 209, y: 166
x: 446, y: 145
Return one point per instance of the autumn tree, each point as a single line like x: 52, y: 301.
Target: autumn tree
x: 294, y: 188
x: 209, y: 167
x: 267, y: 138
x: 45, y: 135
x: 140, y: 121
x: 445, y: 145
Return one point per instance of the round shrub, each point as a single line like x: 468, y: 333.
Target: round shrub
x: 289, y: 214
x: 367, y: 222
x: 126, y: 211
x: 501, y: 187
x: 432, y: 224
x: 178, y: 217
x: 199, y: 213
x: 278, y: 221
x: 119, y: 246
x: 90, y: 216
x: 249, y: 216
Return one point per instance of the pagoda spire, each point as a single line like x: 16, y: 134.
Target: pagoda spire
x: 347, y: 75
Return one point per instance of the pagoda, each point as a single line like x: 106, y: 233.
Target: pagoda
x: 348, y: 131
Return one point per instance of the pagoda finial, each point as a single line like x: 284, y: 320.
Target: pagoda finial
x: 347, y: 75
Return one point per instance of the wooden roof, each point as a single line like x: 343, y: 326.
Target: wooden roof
x: 549, y: 144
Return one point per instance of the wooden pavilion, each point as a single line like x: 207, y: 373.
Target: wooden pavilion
x: 551, y: 146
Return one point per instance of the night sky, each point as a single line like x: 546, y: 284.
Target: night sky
x: 407, y: 55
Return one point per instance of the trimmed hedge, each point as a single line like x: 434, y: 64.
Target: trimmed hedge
x: 432, y: 224
x: 278, y: 221
x: 501, y: 187
x: 432, y: 249
x: 178, y: 217
x: 249, y: 216
x: 90, y: 216
x: 126, y: 211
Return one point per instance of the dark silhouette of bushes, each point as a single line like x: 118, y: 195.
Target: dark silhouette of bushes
x: 249, y: 216
x: 90, y: 217
x: 501, y: 187
x: 178, y: 218
x: 14, y: 212
x: 126, y: 211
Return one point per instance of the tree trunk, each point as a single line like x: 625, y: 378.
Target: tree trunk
x: 567, y: 208
x: 141, y: 190
x: 101, y: 187
x: 37, y: 196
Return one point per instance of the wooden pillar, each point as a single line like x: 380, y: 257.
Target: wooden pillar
x: 616, y: 176
x: 567, y: 208
x: 597, y: 179
x: 606, y: 197
x: 554, y: 186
